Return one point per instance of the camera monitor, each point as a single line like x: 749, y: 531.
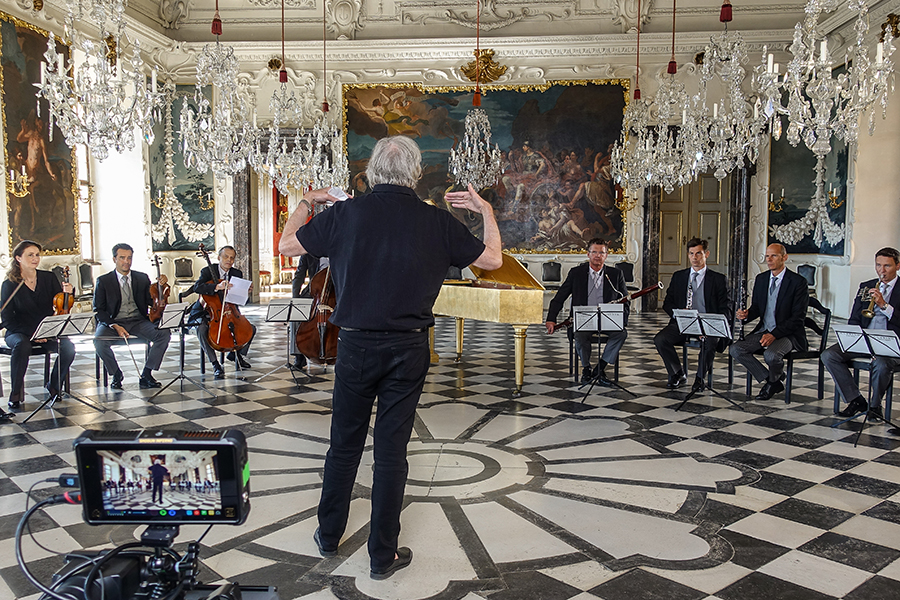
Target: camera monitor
x: 163, y: 477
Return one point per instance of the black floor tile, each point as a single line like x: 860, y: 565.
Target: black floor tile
x: 721, y: 513
x: 782, y: 484
x: 808, y: 513
x: 758, y: 586
x: 725, y: 438
x: 886, y: 511
x: 773, y: 423
x: 877, y: 588
x: 642, y: 585
x: 751, y: 552
x: 827, y: 459
x: 851, y: 551
x: 800, y: 440
x: 708, y: 422
x: 751, y: 459
x: 864, y: 485
x: 534, y: 586
x: 34, y: 465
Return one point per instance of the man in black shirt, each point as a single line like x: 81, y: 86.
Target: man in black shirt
x: 389, y: 252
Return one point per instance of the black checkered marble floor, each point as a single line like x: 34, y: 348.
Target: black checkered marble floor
x: 537, y: 497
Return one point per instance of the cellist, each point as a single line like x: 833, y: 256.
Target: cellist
x: 210, y: 283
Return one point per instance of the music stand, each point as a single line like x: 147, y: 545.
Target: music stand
x: 711, y: 325
x: 872, y: 342
x: 173, y: 317
x: 600, y: 318
x: 56, y: 327
x: 287, y: 310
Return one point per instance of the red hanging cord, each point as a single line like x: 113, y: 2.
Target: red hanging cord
x: 324, y: 65
x: 476, y: 99
x: 673, y: 66
x: 637, y: 74
x: 217, y: 22
x: 282, y: 74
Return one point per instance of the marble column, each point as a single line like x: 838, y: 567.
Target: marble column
x: 739, y: 219
x: 650, y: 258
x: 244, y: 243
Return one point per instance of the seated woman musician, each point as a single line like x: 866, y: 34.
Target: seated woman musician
x: 26, y: 297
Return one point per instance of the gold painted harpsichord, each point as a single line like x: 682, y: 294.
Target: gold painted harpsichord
x: 509, y: 294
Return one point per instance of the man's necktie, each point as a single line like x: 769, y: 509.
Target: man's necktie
x: 126, y: 289
x: 770, y: 306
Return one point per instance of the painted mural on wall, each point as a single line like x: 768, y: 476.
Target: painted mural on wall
x: 47, y: 214
x: 556, y: 191
x: 187, y: 218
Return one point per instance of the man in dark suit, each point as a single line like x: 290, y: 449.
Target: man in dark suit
x: 216, y: 282
x: 884, y: 292
x: 780, y: 300
x: 307, y: 266
x: 122, y: 302
x: 590, y: 284
x: 700, y: 289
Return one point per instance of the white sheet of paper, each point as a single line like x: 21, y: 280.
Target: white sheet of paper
x: 851, y: 339
x: 715, y: 325
x: 239, y: 292
x: 688, y: 321
x: 612, y: 317
x: 884, y: 342
x: 585, y: 318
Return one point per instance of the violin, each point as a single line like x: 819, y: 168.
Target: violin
x: 159, y: 293
x: 317, y: 338
x: 63, y: 301
x: 229, y: 330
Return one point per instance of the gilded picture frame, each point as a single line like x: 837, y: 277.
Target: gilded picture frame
x: 556, y: 191
x: 48, y: 212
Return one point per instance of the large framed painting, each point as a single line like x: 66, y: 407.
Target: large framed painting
x: 182, y: 220
x: 792, y: 187
x: 556, y: 191
x: 47, y: 210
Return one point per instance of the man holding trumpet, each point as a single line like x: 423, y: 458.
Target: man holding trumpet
x: 877, y: 306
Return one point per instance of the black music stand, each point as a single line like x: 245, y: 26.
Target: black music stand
x: 711, y: 325
x: 174, y: 316
x: 853, y: 339
x: 600, y: 318
x: 57, y: 327
x: 288, y: 310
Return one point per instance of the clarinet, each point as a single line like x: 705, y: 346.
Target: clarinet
x: 742, y: 292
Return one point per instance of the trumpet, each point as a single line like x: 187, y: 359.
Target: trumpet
x: 866, y: 294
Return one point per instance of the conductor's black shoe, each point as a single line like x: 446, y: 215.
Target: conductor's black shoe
x: 117, y: 381
x: 404, y: 557
x: 698, y: 385
x: 875, y: 413
x: 586, y: 375
x: 318, y: 539
x: 769, y: 389
x: 147, y: 382
x: 676, y: 381
x: 854, y: 407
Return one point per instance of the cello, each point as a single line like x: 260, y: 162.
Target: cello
x: 63, y: 301
x: 229, y: 330
x: 317, y: 338
x: 159, y: 293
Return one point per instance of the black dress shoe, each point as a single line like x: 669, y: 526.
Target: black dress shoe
x: 769, y: 389
x: 601, y: 377
x: 218, y: 371
x: 676, y: 381
x: 147, y: 382
x: 243, y: 361
x: 586, y: 375
x: 894, y: 431
x: 854, y: 407
x: 875, y: 413
x: 318, y: 539
x: 14, y: 403
x: 6, y: 417
x: 698, y: 385
x: 117, y: 381
x: 299, y: 362
x: 404, y: 557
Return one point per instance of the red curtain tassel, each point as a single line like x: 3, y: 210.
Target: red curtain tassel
x: 325, y: 107
x: 725, y: 13
x: 476, y: 99
x: 282, y: 75
x: 217, y: 25
x: 637, y: 94
x: 673, y: 67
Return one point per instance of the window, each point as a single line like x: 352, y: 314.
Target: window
x: 85, y: 203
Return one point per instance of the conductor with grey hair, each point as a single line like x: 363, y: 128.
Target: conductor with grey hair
x: 389, y: 252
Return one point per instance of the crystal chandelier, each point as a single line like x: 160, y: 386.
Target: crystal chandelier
x: 285, y: 164
x: 822, y: 103
x: 106, y: 98
x: 473, y: 161
x: 220, y: 139
x: 724, y: 136
x: 630, y: 160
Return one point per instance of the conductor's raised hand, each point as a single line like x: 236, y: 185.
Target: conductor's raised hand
x: 468, y: 199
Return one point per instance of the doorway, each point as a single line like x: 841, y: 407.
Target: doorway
x: 699, y: 209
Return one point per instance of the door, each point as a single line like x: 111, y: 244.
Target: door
x: 699, y: 209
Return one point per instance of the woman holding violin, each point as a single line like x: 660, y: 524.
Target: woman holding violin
x: 214, y: 280
x: 26, y: 297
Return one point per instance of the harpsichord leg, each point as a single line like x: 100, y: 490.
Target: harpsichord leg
x: 459, y: 337
x: 519, y: 332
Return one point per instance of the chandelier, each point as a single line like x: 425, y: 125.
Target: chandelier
x: 105, y: 99
x: 822, y: 103
x: 731, y: 131
x: 631, y: 162
x: 219, y: 140
x: 473, y: 161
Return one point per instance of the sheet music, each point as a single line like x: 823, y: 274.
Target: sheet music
x: 239, y: 292
x: 173, y: 315
x: 884, y: 342
x: 612, y: 317
x: 278, y: 309
x: 78, y: 323
x: 50, y: 327
x: 715, y: 325
x: 301, y: 309
x: 851, y: 339
x: 585, y: 318
x: 294, y: 310
x: 688, y: 321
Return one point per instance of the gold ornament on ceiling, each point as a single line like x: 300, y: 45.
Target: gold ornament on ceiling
x: 490, y: 70
x: 274, y: 64
x: 893, y: 21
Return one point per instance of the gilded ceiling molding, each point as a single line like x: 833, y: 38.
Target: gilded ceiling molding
x: 172, y: 13
x: 345, y: 18
x: 625, y: 13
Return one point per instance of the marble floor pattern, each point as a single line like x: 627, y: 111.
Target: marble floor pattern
x: 538, y: 497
